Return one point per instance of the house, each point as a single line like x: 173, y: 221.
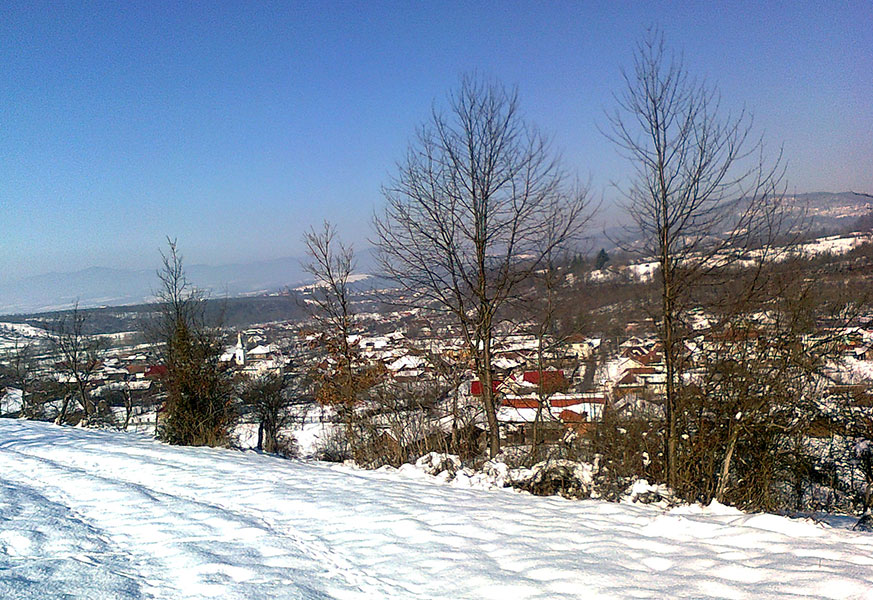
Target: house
x: 582, y: 347
x: 263, y: 353
x: 643, y: 353
x: 517, y: 415
x: 551, y: 378
x: 156, y: 371
x: 408, y: 368
x: 370, y: 343
x: 137, y: 370
x: 641, y: 381
x: 476, y: 386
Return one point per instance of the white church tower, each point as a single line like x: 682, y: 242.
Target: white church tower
x: 239, y: 353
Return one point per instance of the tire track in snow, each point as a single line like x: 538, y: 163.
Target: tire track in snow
x: 48, y: 551
x: 314, y: 556
x: 162, y: 466
x: 431, y: 541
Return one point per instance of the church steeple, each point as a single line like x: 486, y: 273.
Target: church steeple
x: 239, y: 354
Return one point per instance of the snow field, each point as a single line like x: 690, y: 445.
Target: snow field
x: 93, y: 514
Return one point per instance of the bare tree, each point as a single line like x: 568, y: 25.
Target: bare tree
x: 272, y: 399
x: 20, y: 371
x: 467, y: 213
x: 79, y: 355
x: 701, y: 194
x: 343, y: 377
x: 331, y: 264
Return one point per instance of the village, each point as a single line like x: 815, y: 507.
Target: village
x: 547, y: 389
x: 350, y: 301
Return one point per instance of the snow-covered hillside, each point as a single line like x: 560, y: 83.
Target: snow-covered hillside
x: 90, y: 514
x: 19, y: 334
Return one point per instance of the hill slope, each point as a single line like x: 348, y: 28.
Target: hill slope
x: 92, y: 514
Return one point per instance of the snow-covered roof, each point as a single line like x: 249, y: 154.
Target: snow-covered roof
x: 262, y: 350
x: 506, y: 363
x: 407, y: 362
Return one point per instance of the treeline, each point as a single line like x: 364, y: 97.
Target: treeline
x: 232, y: 312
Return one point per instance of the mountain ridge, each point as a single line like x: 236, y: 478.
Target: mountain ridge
x: 828, y: 213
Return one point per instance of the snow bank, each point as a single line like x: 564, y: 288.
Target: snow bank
x: 96, y: 514
x: 10, y: 400
x: 546, y: 478
x: 645, y: 493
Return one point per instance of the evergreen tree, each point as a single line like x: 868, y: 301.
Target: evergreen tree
x: 601, y: 260
x: 199, y: 411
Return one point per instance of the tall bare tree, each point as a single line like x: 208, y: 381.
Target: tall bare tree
x: 468, y: 212
x: 345, y: 378
x: 331, y: 263
x: 701, y: 195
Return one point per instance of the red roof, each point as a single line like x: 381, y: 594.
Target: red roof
x: 554, y: 378
x: 641, y: 370
x: 476, y: 386
x: 573, y: 401
x: 156, y: 371
x: 651, y: 357
x: 568, y: 416
x: 634, y: 351
x: 555, y: 402
x: 521, y: 402
x: 628, y: 379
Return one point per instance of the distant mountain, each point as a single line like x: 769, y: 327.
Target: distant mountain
x: 100, y: 286
x: 834, y: 212
x: 818, y: 213
x: 92, y: 287
x: 826, y: 214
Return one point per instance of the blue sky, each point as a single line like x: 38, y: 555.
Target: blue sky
x: 235, y: 126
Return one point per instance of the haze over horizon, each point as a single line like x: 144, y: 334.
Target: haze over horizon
x: 234, y: 128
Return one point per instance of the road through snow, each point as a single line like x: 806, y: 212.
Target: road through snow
x: 95, y: 514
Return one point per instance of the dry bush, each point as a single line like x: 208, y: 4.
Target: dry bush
x: 623, y: 448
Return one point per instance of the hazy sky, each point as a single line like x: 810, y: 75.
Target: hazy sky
x: 234, y: 126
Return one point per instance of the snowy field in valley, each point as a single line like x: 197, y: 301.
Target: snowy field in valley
x: 92, y: 514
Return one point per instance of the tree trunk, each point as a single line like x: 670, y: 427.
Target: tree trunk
x: 726, y: 464
x: 59, y: 420
x: 128, y: 410
x: 488, y: 398
x: 490, y: 412
x: 669, y: 341
x: 541, y: 399
x: 455, y: 441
